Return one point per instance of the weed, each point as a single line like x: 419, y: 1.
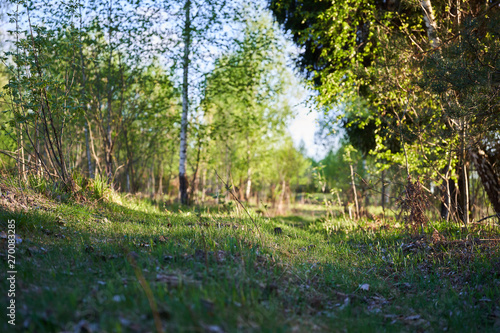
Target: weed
x: 39, y: 183
x: 99, y: 186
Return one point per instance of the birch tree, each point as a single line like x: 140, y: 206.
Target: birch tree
x: 183, y: 183
x: 201, y: 31
x: 430, y: 22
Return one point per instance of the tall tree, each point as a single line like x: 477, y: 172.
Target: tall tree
x: 369, y: 58
x: 202, y: 24
x: 183, y: 183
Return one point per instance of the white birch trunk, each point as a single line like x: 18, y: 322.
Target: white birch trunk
x: 249, y: 184
x: 465, y: 174
x: 430, y: 22
x: 466, y: 196
x: 183, y: 194
x: 86, y: 127
x: 108, y: 152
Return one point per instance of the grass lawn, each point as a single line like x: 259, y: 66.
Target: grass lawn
x: 134, y: 267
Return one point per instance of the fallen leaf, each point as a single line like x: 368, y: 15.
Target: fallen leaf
x: 364, y: 286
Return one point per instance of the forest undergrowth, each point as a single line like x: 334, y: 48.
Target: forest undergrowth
x: 130, y: 265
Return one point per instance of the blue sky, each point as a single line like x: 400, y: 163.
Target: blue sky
x: 302, y: 129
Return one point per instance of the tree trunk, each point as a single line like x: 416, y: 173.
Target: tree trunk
x: 463, y: 178
x: 282, y: 198
x: 241, y: 192
x: 248, y: 190
x: 159, y: 193
x: 217, y: 191
x: 87, y: 148
x: 228, y: 172
x: 430, y: 22
x: 86, y: 128
x: 474, y: 191
x: 108, y: 139
x: 131, y: 188
x: 449, y: 191
x: 466, y: 200
x: 153, y: 185
x: 183, y: 183
x: 489, y: 178
x: 288, y: 196
x: 354, y: 191
x: 39, y: 167
x: 249, y: 173
x: 97, y: 166
x: 382, y: 195
x: 128, y: 181
x: 23, y: 166
x: 203, y: 185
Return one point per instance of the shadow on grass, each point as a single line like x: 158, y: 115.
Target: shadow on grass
x: 297, y: 221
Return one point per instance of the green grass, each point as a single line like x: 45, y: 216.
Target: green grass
x: 214, y: 272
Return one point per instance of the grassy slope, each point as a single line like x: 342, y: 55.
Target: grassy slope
x: 214, y: 273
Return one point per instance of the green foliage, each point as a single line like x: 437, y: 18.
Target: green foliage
x: 464, y: 75
x: 7, y: 135
x: 39, y: 184
x: 397, y: 99
x: 99, y: 187
x: 246, y: 110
